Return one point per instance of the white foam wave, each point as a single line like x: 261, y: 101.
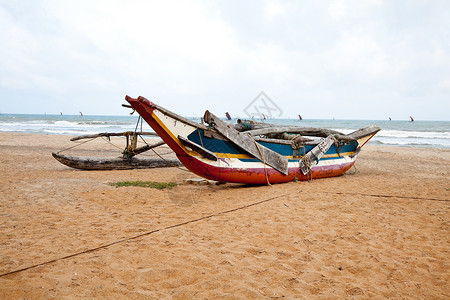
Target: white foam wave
x: 69, y: 132
x: 414, y: 134
x: 412, y: 142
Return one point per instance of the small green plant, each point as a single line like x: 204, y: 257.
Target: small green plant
x: 295, y: 179
x: 146, y: 184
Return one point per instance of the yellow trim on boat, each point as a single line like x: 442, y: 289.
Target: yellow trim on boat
x: 161, y: 123
x: 245, y: 156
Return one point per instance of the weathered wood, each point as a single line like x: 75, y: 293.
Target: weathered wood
x: 107, y: 134
x: 135, y: 151
x: 248, y: 144
x: 144, y: 148
x: 198, y: 148
x: 98, y: 163
x: 308, y: 131
x: 360, y: 133
x: 211, y: 133
x: 273, y: 141
x: 244, y: 121
x: 312, y: 157
x: 280, y: 141
x: 245, y: 127
x: 316, y: 132
x: 296, y: 138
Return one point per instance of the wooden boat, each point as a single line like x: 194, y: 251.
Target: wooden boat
x: 253, y: 153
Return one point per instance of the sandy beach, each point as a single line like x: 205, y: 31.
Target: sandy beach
x: 380, y: 231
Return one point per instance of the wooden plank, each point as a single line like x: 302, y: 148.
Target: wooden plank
x: 213, y: 134
x: 319, y: 132
x: 244, y: 125
x: 306, y: 131
x: 248, y: 144
x: 312, y: 157
x: 196, y: 147
x: 273, y: 141
x: 107, y: 134
x: 371, y: 129
x: 135, y: 151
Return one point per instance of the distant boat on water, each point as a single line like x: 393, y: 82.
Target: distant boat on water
x: 300, y: 117
x: 412, y: 120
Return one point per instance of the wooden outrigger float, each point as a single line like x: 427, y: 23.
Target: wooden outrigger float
x: 125, y: 162
x: 120, y: 163
x: 253, y: 153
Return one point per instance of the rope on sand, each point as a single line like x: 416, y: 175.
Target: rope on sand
x: 140, y: 236
x: 388, y: 196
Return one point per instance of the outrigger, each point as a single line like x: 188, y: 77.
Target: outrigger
x: 126, y: 161
x: 253, y: 153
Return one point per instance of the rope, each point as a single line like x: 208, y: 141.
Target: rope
x: 78, y: 144
x: 308, y: 166
x: 142, y: 235
x: 109, y: 142
x: 168, y: 162
x: 159, y: 155
x: 150, y: 155
x: 262, y: 156
x: 129, y: 150
x: 145, y: 142
x: 355, y: 171
x: 137, y: 124
x: 387, y: 196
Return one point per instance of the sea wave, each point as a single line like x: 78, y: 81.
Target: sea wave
x: 417, y: 142
x: 414, y: 134
x: 69, y: 132
x: 409, y: 134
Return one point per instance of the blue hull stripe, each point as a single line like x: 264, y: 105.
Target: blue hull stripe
x: 225, y: 147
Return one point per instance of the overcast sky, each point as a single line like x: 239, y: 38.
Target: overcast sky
x: 345, y: 59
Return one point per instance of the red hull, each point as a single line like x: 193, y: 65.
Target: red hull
x: 258, y: 175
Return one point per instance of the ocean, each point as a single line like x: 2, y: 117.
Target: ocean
x: 434, y: 134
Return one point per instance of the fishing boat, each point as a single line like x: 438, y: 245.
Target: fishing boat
x: 250, y: 152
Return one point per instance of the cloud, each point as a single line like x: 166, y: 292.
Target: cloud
x: 277, y: 9
x: 219, y: 55
x: 359, y: 57
x: 445, y: 84
x: 154, y: 35
x: 337, y: 9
